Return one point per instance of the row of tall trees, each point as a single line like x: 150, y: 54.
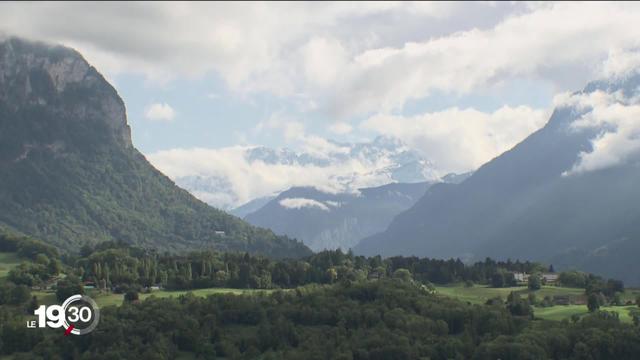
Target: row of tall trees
x: 112, y: 265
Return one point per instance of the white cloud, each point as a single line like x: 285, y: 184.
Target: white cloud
x: 621, y: 63
x: 245, y: 43
x: 323, y: 60
x: 253, y: 179
x: 299, y: 203
x: 294, y: 132
x: 291, y: 129
x: 244, y: 178
x: 459, y: 140
x: 348, y: 58
x: 340, y: 128
x: 540, y: 43
x: 321, y: 147
x: 159, y: 112
x: 617, y: 120
x: 220, y: 198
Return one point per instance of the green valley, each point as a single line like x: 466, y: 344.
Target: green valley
x: 480, y: 294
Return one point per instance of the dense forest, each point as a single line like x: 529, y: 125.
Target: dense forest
x: 385, y: 319
x: 329, y: 305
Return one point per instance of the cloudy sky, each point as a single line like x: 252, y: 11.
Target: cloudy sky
x: 458, y: 82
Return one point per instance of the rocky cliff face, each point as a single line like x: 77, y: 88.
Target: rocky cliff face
x: 54, y: 86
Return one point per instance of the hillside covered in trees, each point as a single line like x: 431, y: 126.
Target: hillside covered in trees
x: 69, y: 172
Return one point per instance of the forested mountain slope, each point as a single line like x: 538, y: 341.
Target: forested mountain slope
x: 69, y: 173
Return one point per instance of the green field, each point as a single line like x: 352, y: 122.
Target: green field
x: 108, y: 299
x: 560, y: 312
x: 479, y: 294
x: 7, y: 262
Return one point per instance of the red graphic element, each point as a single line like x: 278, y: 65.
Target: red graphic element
x: 68, y: 331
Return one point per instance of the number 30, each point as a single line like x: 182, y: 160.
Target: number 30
x: 83, y: 314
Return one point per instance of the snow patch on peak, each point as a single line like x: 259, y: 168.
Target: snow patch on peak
x: 299, y: 203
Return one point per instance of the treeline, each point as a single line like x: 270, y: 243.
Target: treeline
x: 374, y: 320
x: 119, y: 266
x: 122, y: 268
x: 591, y: 283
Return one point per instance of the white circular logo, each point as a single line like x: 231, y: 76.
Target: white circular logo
x: 78, y: 315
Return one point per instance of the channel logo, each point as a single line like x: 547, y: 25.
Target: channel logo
x: 78, y: 315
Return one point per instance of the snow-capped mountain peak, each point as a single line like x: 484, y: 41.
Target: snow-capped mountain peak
x: 260, y: 171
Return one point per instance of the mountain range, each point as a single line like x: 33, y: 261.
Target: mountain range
x: 70, y: 175
x: 326, y: 220
x: 568, y: 194
x: 345, y: 167
x: 329, y: 221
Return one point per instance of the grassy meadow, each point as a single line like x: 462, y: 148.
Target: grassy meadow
x: 560, y: 312
x: 479, y: 294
